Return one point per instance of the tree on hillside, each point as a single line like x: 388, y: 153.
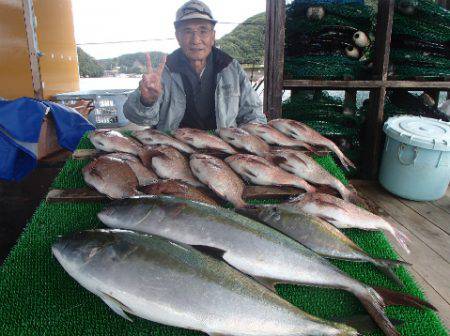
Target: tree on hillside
x: 246, y: 41
x: 131, y: 63
x: 87, y: 65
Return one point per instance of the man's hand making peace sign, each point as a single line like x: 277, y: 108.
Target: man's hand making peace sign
x: 150, y: 84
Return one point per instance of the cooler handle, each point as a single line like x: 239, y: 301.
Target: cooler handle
x: 401, y: 149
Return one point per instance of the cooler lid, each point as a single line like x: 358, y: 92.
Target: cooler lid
x: 421, y: 132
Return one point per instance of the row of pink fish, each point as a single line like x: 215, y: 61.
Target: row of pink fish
x: 163, y: 156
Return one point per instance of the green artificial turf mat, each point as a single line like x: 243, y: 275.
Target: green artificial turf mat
x: 37, y: 297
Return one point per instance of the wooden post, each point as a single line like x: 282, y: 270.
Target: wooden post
x: 350, y: 99
x: 274, y: 57
x: 33, y: 49
x: 374, y: 124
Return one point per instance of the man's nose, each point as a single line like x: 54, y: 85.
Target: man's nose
x: 196, y: 38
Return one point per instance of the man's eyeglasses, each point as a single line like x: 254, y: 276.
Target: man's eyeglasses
x: 202, y: 33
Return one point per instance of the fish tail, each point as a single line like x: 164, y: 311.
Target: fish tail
x: 392, y: 298
x: 386, y: 266
x: 374, y: 305
x: 146, y: 158
x: 401, y: 238
x: 305, y: 185
x: 308, y: 147
x: 346, y: 162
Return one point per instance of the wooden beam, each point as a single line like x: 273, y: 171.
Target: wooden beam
x: 444, y: 85
x: 383, y: 38
x: 274, y: 57
x: 364, y: 84
x: 331, y: 84
x: 373, y: 134
x: 33, y: 48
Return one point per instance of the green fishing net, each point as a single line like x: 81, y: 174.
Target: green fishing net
x: 328, y: 64
x: 324, y: 67
x: 427, y: 22
x: 325, y: 114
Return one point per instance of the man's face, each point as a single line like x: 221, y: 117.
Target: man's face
x: 196, y: 38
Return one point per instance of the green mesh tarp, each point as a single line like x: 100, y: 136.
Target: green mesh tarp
x: 37, y: 297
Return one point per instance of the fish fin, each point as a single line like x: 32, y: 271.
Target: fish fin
x: 213, y: 252
x: 147, y: 155
x: 278, y: 160
x: 392, y: 298
x: 363, y: 323
x: 326, y: 218
x: 385, y: 266
x: 266, y: 282
x: 95, y: 172
x: 118, y: 307
x: 374, y: 305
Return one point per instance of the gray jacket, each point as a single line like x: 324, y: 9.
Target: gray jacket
x: 235, y: 100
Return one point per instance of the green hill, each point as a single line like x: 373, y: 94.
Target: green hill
x: 246, y: 41
x: 131, y: 63
x: 88, y: 66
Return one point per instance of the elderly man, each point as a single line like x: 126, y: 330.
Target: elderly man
x: 198, y: 86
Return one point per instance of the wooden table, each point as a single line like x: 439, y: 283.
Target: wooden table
x: 427, y: 224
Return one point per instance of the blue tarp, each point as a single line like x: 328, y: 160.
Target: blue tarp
x: 20, y: 127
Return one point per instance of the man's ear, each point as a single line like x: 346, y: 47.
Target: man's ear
x: 178, y: 37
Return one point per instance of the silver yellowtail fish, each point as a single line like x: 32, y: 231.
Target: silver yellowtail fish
x: 307, y: 168
x: 154, y: 137
x: 173, y: 284
x: 345, y: 215
x: 300, y: 131
x: 317, y: 235
x: 202, y: 140
x: 262, y: 172
x: 220, y: 178
x: 252, y: 247
x: 240, y: 138
x: 112, y: 177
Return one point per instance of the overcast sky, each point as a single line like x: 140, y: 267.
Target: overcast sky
x: 98, y: 21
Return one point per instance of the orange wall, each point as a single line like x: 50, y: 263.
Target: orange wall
x: 15, y: 73
x: 56, y: 40
x: 55, y: 32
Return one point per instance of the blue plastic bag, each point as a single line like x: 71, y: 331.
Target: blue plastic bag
x: 20, y: 126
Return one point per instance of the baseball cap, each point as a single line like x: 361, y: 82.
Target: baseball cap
x: 194, y: 9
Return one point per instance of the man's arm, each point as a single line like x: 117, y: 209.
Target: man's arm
x: 250, y: 106
x: 138, y: 113
x: 143, y: 105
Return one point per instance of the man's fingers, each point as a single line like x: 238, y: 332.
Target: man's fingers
x: 149, y: 63
x: 151, y: 82
x: 161, y: 64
